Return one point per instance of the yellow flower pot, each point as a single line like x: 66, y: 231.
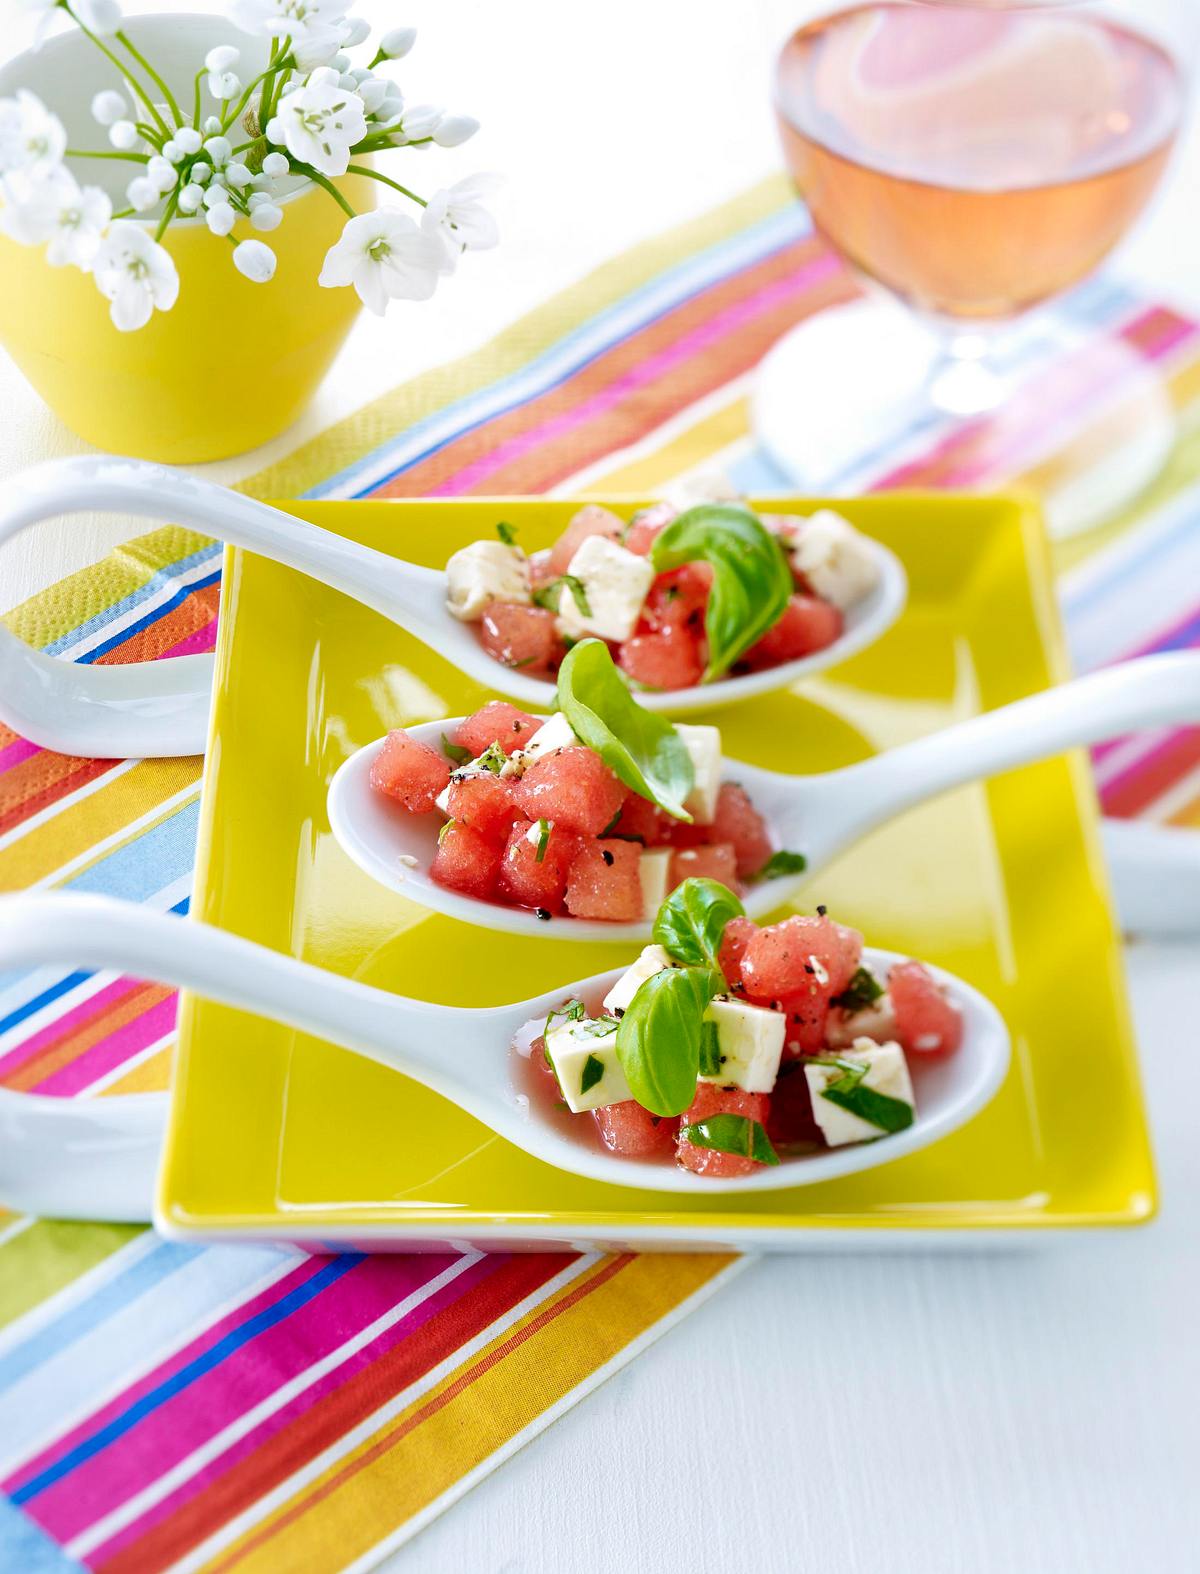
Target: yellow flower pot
x: 232, y: 363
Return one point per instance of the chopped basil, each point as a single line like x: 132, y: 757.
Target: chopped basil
x: 710, y: 1050
x: 444, y: 832
x: 573, y: 1011
x: 643, y: 749
x: 752, y: 580
x: 691, y: 921
x: 493, y: 759
x: 550, y: 594
x: 543, y: 839
x: 611, y: 826
x: 727, y: 1133
x: 863, y: 990
x: 593, y: 1072
x: 849, y: 1092
x: 658, y: 1040
x: 782, y: 862
x: 599, y: 1027
x: 455, y: 751
x: 506, y: 532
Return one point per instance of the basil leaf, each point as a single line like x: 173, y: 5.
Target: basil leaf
x: 732, y: 1134
x: 445, y: 831
x: 863, y: 990
x: 752, y: 582
x: 691, y: 921
x: 710, y: 1050
x: 549, y: 594
x: 543, y: 840
x: 492, y: 759
x: 572, y: 1012
x: 782, y: 862
x: 593, y: 1071
x: 506, y: 532
x: 455, y: 751
x: 658, y: 1041
x: 643, y: 749
x: 849, y: 1092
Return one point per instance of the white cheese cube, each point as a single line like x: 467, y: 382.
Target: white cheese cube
x: 750, y: 1041
x: 615, y: 584
x: 652, y: 960
x: 576, y: 1049
x: 552, y: 735
x: 704, y: 746
x: 653, y: 868
x: 887, y: 1072
x: 877, y: 1022
x: 485, y: 571
x: 834, y: 558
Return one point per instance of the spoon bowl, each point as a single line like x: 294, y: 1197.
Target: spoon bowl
x: 464, y: 1054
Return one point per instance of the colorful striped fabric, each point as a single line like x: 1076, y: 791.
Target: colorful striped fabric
x: 164, y: 1406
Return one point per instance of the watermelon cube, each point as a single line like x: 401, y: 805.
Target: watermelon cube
x: 679, y: 597
x: 738, y: 822
x: 643, y: 821
x: 605, y: 882
x: 798, y: 955
x: 713, y: 1100
x: 529, y: 882
x: 668, y: 658
x: 409, y: 771
x: 632, y: 1131
x: 497, y: 722
x: 519, y: 636
x: 790, y: 1119
x: 807, y: 1015
x: 927, y: 1021
x: 466, y: 861
x: 572, y: 787
x: 591, y: 520
x: 733, y: 945
x: 807, y: 625
x: 712, y: 862
x: 646, y: 525
x: 482, y: 801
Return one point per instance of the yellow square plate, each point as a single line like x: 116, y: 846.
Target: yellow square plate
x: 279, y: 1135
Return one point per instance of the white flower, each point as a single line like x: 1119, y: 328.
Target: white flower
x: 275, y: 164
x: 354, y: 31
x: 319, y: 46
x: 32, y: 140
x: 292, y: 19
x: 373, y: 93
x: 255, y: 261
x: 385, y: 257
x: 396, y: 44
x: 223, y: 85
x: 222, y: 58
x: 98, y: 16
x: 108, y: 107
x: 266, y: 216
x: 143, y: 193
x: 455, y: 129
x: 57, y: 212
x: 418, y: 123
x: 220, y: 219
x: 458, y: 218
x: 44, y: 12
x: 319, y: 123
x: 135, y: 274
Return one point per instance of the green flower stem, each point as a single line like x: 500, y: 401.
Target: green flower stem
x: 168, y: 215
x: 323, y: 181
x: 150, y: 134
x: 363, y: 169
x: 154, y: 77
x: 132, y: 158
x: 126, y: 74
x: 200, y: 75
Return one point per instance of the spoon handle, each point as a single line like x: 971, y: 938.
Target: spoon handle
x: 1152, y: 691
x: 161, y: 708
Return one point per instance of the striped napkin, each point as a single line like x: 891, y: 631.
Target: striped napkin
x: 253, y: 1408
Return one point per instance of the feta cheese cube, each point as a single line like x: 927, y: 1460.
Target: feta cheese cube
x: 750, y: 1041
x: 653, y: 868
x: 615, y: 584
x: 652, y: 960
x: 485, y: 571
x: 575, y: 1050
x: 704, y: 746
x: 877, y: 1022
x: 887, y: 1072
x: 552, y: 735
x: 834, y: 558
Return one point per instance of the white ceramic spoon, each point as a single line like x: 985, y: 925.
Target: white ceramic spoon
x: 93, y: 1158
x: 819, y: 816
x: 148, y: 709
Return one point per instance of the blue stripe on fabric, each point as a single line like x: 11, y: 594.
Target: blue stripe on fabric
x: 135, y: 598
x: 62, y: 987
x: 148, y: 621
x: 231, y: 1342
x: 1077, y: 602
x: 25, y: 1548
x: 150, y: 863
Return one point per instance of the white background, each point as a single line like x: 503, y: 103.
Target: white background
x: 1031, y: 1412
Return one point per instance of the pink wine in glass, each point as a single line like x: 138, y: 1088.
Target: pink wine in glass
x: 975, y: 161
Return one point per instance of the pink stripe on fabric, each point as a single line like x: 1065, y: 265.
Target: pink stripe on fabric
x: 109, y: 1053
x: 1154, y: 747
x: 247, y: 1376
x: 556, y: 428
x: 405, y: 1328
x: 195, y: 644
x: 16, y: 752
x: 110, y: 995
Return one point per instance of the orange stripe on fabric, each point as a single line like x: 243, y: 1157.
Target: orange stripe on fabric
x: 42, y: 780
x: 188, y: 617
x: 60, y: 1052
x: 1130, y: 797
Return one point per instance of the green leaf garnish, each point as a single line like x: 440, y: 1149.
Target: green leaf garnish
x: 752, y: 582
x: 782, y: 862
x: 455, y: 751
x: 732, y: 1134
x: 573, y: 1011
x: 493, y: 759
x: 549, y: 594
x: 878, y: 1109
x: 598, y: 1027
x: 593, y: 1071
x: 506, y: 532
x: 863, y: 990
x: 710, y: 1050
x: 643, y: 749
x: 691, y: 921
x: 543, y: 839
x: 445, y: 831
x: 659, y: 1037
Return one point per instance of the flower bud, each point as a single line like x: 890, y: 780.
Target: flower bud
x: 396, y: 44
x: 266, y: 216
x: 143, y: 194
x: 218, y: 150
x: 355, y: 31
x: 212, y: 125
x: 220, y: 219
x: 162, y: 172
x: 190, y: 199
x: 123, y: 134
x: 275, y: 164
x: 189, y: 139
x: 255, y: 261
x: 216, y: 196
x: 454, y: 130
x: 108, y: 107
x: 236, y: 174
x: 222, y: 57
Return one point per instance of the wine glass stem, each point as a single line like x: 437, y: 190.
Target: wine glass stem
x: 963, y: 380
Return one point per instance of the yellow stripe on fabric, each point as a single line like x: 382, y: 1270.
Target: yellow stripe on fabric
x: 420, y: 1454
x: 103, y: 813
x: 148, y: 1076
x: 45, y: 1258
x: 376, y: 423
x: 82, y: 595
x: 643, y: 476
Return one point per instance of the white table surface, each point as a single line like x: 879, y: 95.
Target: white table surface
x: 980, y: 1413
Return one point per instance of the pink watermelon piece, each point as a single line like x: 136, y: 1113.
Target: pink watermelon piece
x: 643, y: 821
x: 497, y: 722
x: 927, y: 1021
x: 518, y: 636
x: 738, y: 822
x: 799, y: 955
x: 665, y: 658
x: 712, y: 862
x: 633, y: 1132
x: 790, y: 1118
x: 529, y: 883
x: 679, y: 597
x: 713, y: 1100
x: 483, y: 802
x: 806, y: 626
x: 409, y: 771
x: 737, y: 936
x: 589, y: 521
x: 604, y: 882
x: 572, y: 787
x: 807, y: 1014
x: 646, y: 525
x: 466, y: 861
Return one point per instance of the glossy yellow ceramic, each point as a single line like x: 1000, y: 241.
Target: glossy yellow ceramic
x: 273, y: 1133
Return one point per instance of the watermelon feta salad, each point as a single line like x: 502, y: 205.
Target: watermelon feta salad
x: 598, y: 811
x: 727, y: 1045
x: 681, y: 598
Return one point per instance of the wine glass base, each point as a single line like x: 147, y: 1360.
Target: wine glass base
x: 865, y: 389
